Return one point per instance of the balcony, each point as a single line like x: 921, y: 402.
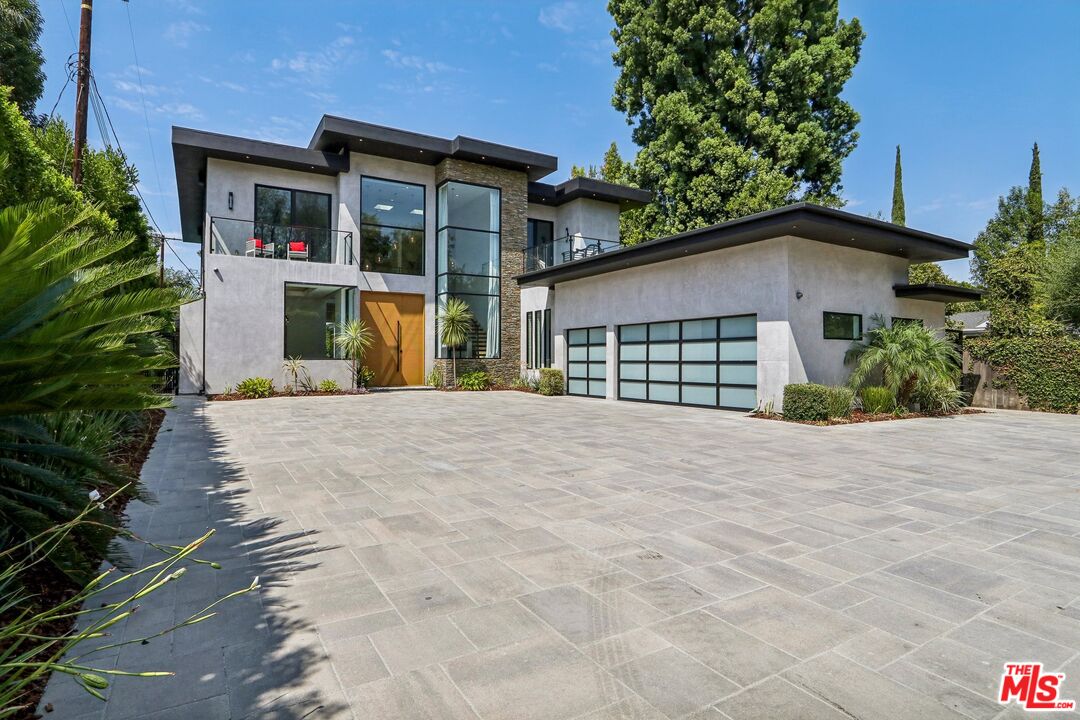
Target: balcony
x: 566, y: 249
x: 248, y: 238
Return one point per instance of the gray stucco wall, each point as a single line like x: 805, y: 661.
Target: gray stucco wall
x: 760, y: 278
x: 190, y: 359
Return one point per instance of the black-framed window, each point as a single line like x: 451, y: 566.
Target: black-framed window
x: 841, y: 326
x: 313, y: 314
x: 391, y: 226
x: 586, y: 361
x: 898, y: 321
x: 711, y: 362
x: 540, y: 235
x: 538, y: 339
x: 297, y: 222
x: 468, y: 262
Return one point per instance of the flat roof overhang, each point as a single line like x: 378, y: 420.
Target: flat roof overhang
x: 335, y: 133
x: 937, y: 292
x: 191, y: 148
x: 627, y: 198
x: 804, y: 220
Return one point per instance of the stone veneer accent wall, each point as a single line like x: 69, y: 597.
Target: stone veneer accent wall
x: 514, y: 196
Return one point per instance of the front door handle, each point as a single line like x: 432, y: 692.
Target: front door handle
x: 399, y: 346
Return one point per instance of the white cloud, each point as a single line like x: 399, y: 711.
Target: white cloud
x: 314, y: 66
x: 134, y: 88
x: 172, y: 109
x: 562, y: 16
x: 415, y: 62
x: 179, y: 33
x: 547, y: 67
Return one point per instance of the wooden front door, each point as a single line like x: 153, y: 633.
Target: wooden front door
x: 397, y: 322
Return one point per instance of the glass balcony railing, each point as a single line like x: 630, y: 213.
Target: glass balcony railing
x: 566, y: 249
x: 250, y: 238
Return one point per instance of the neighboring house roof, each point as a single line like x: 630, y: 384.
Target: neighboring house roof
x: 972, y: 323
x: 590, y: 188
x: 804, y: 220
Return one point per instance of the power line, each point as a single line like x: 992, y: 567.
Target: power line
x: 67, y: 20
x: 142, y: 99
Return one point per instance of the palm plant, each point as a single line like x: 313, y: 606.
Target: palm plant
x: 905, y: 356
x: 293, y: 366
x: 454, y: 320
x: 354, y: 338
x: 73, y: 338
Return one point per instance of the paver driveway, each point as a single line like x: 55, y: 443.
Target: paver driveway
x: 499, y: 555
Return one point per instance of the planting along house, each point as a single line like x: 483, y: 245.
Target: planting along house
x: 385, y: 225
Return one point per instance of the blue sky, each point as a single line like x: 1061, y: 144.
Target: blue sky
x: 964, y: 87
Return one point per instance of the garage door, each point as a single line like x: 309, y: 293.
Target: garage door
x: 710, y: 362
x: 586, y: 369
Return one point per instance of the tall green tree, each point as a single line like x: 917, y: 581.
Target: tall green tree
x: 1035, y: 201
x: 20, y: 55
x: 898, y: 216
x: 736, y: 106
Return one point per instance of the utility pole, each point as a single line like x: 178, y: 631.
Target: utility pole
x: 82, y: 91
x: 161, y: 265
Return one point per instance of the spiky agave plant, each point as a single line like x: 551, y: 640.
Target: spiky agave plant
x: 293, y: 366
x: 354, y: 338
x: 905, y: 355
x: 72, y: 339
x: 454, y: 320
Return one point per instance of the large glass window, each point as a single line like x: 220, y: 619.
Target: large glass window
x: 538, y: 339
x: 295, y: 223
x: 391, y: 226
x: 468, y: 262
x: 312, y: 316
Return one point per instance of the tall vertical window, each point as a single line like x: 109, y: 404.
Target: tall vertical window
x: 538, y: 339
x: 468, y: 264
x: 313, y: 314
x: 540, y: 248
x: 297, y: 222
x: 391, y: 226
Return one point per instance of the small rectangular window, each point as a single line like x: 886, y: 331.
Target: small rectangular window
x: 529, y: 340
x: 547, y: 338
x: 842, y: 326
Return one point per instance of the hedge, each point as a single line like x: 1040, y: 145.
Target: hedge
x: 551, y: 381
x: 1045, y: 370
x: 806, y: 401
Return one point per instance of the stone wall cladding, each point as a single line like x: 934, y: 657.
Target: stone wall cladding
x: 513, y: 186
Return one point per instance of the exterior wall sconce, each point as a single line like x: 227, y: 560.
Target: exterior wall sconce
x: 230, y: 200
x: 798, y: 294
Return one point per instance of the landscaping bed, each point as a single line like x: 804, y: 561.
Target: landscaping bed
x: 858, y: 416
x: 48, y: 586
x: 225, y: 397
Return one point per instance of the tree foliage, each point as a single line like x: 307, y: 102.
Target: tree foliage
x: 905, y: 356
x: 736, y: 107
x: 20, y: 55
x: 899, y: 217
x: 1035, y: 200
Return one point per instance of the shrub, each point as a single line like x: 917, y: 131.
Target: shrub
x: 877, y: 399
x: 255, y: 387
x: 940, y: 397
x: 364, y: 376
x: 435, y: 378
x: 475, y: 380
x: 839, y: 401
x: 524, y: 382
x: 551, y: 382
x: 903, y: 355
x: 1045, y: 370
x: 806, y: 401
x: 329, y: 385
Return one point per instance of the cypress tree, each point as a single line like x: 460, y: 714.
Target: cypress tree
x: 898, y: 217
x: 1035, y: 199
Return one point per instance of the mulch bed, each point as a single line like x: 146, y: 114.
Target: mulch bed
x: 498, y: 388
x: 278, y: 393
x: 862, y: 417
x: 49, y: 586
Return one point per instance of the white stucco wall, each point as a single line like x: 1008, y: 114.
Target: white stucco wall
x: 760, y: 278
x: 190, y: 358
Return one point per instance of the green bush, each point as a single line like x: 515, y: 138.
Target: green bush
x: 524, y: 382
x: 839, y: 401
x: 364, y: 376
x: 877, y: 399
x: 475, y: 380
x: 551, y: 382
x: 940, y: 397
x: 255, y: 387
x: 435, y: 378
x: 806, y: 401
x: 1045, y: 370
x: 329, y: 385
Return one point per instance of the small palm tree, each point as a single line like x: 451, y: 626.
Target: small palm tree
x: 354, y: 338
x: 293, y: 366
x: 906, y: 355
x: 455, y: 319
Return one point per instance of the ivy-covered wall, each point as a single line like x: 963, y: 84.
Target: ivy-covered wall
x: 1045, y: 370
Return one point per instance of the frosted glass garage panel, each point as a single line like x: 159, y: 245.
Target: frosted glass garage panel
x: 663, y: 331
x: 699, y: 329
x: 738, y: 374
x: 577, y: 337
x: 578, y: 370
x: 739, y: 398
x: 632, y: 390
x: 663, y: 393
x: 578, y: 354
x: 668, y: 372
x: 699, y: 374
x: 578, y: 387
x: 598, y: 388
x: 738, y: 350
x: 699, y: 395
x: 632, y: 371
x: 597, y: 336
x: 597, y: 352
x: 699, y: 351
x: 743, y: 326
x: 597, y: 370
x: 663, y: 351
x: 634, y: 333
x: 632, y: 352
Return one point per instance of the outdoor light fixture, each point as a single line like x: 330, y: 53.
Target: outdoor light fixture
x: 230, y: 200
x: 798, y: 294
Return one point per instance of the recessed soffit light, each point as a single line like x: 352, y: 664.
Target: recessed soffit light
x: 386, y: 208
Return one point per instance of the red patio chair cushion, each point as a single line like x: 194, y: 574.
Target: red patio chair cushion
x: 258, y: 243
x: 297, y: 247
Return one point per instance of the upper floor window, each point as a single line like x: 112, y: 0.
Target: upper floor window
x: 468, y: 262
x: 540, y: 245
x: 842, y: 326
x: 293, y: 224
x: 391, y: 226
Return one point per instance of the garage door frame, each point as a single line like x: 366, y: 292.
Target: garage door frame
x: 595, y: 363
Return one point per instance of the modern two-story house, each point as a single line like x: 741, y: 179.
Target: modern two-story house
x: 385, y: 225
